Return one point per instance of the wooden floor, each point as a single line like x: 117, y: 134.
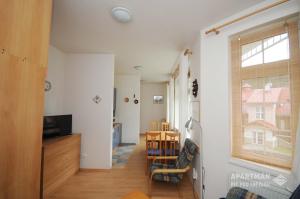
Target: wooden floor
x: 115, y: 183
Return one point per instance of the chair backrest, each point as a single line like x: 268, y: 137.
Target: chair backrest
x: 153, y: 140
x: 154, y: 126
x: 187, y: 154
x: 171, y: 144
x: 165, y: 126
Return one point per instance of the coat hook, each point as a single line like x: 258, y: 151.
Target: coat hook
x: 2, y: 51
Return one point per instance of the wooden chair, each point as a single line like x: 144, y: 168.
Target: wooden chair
x: 165, y: 126
x: 154, y: 126
x: 171, y: 144
x: 153, y: 146
x: 173, y: 173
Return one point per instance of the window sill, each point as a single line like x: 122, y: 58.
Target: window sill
x: 274, y: 171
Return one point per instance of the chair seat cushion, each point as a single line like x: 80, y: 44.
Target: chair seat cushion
x: 170, y: 152
x: 153, y: 152
x: 165, y: 177
x: 296, y: 193
x: 240, y: 193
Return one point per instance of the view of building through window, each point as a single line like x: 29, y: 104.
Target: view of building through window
x: 266, y: 109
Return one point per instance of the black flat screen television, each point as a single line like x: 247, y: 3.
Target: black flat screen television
x: 57, y: 125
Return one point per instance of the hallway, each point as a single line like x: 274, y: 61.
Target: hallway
x: 115, y: 183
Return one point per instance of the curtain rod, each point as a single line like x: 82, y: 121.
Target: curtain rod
x: 217, y: 29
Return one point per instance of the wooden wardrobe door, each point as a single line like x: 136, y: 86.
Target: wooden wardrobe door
x: 25, y: 27
x: 24, y: 43
x: 21, y: 110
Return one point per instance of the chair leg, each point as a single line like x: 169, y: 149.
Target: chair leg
x: 146, y: 167
x: 178, y: 189
x: 150, y: 187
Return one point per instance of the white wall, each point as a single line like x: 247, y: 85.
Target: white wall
x: 76, y: 79
x: 149, y: 111
x: 88, y: 75
x: 55, y: 74
x: 215, y: 95
x: 195, y: 133
x: 128, y: 113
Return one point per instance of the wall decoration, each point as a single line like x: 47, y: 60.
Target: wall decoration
x: 158, y: 99
x: 126, y: 99
x: 136, y: 101
x: 97, y: 99
x: 195, y: 88
x: 48, y: 86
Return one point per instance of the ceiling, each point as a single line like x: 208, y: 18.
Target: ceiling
x: 158, y: 32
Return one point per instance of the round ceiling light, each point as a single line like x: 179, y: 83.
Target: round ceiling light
x: 121, y: 14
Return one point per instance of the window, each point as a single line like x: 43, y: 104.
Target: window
x: 252, y: 54
x: 176, y: 101
x: 265, y: 94
x: 258, y: 137
x: 260, y: 113
x: 268, y: 50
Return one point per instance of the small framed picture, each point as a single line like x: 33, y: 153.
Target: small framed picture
x: 158, y: 99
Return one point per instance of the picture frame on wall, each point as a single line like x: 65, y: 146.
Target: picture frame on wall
x: 158, y: 99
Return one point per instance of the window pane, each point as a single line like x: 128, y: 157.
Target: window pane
x: 276, y: 48
x: 266, y: 116
x: 252, y: 54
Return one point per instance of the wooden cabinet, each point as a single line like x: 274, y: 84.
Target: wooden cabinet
x: 61, y: 159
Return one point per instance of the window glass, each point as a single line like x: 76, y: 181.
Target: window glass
x: 266, y: 51
x: 276, y: 48
x: 266, y: 107
x: 260, y: 113
x: 252, y: 54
